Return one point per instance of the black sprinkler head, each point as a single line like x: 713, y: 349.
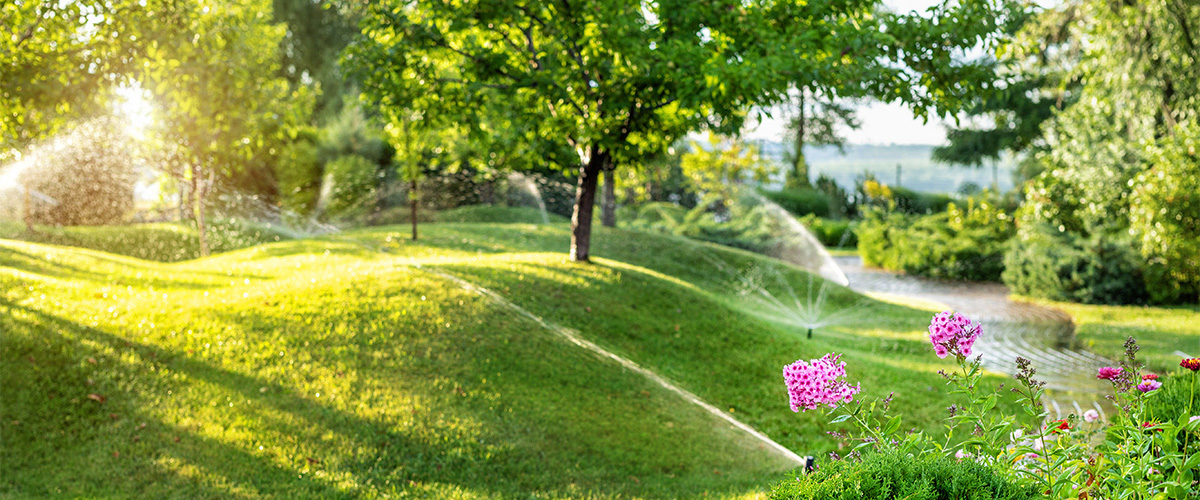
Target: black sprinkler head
x: 810, y: 333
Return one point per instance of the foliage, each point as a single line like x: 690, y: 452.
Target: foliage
x: 801, y: 202
x: 60, y: 61
x: 963, y: 244
x: 1037, y: 71
x: 1130, y: 124
x: 1165, y: 214
x: 716, y: 169
x: 1140, y: 454
x: 815, y: 121
x: 223, y: 111
x: 299, y: 173
x: 616, y: 81
x: 1059, y: 265
x: 833, y: 233
x: 88, y: 174
x: 912, y: 202
x: 890, y: 475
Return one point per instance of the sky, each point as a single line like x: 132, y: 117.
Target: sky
x: 881, y: 123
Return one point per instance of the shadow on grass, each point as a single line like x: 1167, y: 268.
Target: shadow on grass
x: 91, y: 454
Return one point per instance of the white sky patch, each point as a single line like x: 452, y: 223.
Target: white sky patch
x: 882, y: 123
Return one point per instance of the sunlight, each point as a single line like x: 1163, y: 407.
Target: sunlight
x: 134, y: 106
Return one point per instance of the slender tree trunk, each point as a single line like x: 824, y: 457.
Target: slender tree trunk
x: 412, y: 203
x: 585, y: 201
x: 798, y: 177
x: 608, y: 202
x: 199, y: 189
x: 28, y: 209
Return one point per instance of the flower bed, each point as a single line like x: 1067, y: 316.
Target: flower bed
x: 1143, y: 451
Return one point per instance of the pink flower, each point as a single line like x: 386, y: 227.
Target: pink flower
x: 960, y: 454
x: 953, y: 333
x: 1193, y: 419
x: 1149, y: 385
x: 1109, y: 373
x: 1091, y: 416
x: 941, y: 351
x: 818, y: 382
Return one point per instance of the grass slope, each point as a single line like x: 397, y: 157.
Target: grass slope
x: 336, y: 368
x: 1160, y: 331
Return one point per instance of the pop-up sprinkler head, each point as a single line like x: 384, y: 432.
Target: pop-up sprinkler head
x: 810, y: 333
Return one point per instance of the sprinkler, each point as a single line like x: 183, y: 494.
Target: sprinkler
x: 810, y: 333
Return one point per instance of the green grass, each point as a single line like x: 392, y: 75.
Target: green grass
x: 500, y: 214
x: 162, y: 242
x: 336, y: 367
x: 1160, y: 331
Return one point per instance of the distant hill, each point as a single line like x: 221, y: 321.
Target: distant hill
x: 917, y: 168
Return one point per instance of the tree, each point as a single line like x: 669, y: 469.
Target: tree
x: 221, y: 103
x: 816, y: 122
x: 1037, y: 71
x: 615, y: 80
x: 58, y: 59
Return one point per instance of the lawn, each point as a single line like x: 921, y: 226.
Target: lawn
x: 343, y: 366
x: 1160, y: 331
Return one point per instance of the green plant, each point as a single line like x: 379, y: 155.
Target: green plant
x: 832, y: 233
x: 801, y: 202
x: 1101, y: 269
x: 961, y: 243
x: 1165, y: 214
x: 893, y: 475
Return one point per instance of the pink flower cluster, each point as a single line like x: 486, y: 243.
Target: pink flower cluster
x: 953, y: 333
x: 818, y: 382
x: 1109, y: 372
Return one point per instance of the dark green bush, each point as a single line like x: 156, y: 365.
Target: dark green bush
x: 1104, y: 268
x: 884, y: 476
x: 912, y: 202
x: 832, y: 233
x: 801, y: 201
x: 957, y: 244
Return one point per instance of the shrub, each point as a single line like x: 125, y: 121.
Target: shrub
x: 832, y: 233
x: 1099, y: 269
x: 912, y: 202
x: 801, y: 201
x: 889, y: 475
x: 958, y: 244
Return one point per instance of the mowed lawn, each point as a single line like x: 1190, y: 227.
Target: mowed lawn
x: 344, y: 367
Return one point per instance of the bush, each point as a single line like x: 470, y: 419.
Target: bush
x: 832, y: 233
x: 889, y: 475
x: 912, y: 202
x: 958, y: 244
x: 801, y: 201
x: 1099, y: 269
x: 87, y: 175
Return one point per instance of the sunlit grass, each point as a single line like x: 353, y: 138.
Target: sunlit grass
x: 1160, y: 331
x: 338, y: 367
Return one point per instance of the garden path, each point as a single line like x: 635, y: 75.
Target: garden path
x: 1043, y: 335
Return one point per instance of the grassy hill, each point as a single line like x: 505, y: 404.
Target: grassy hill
x: 342, y: 367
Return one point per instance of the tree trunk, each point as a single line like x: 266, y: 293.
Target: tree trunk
x: 608, y: 202
x: 798, y: 177
x: 28, y: 209
x: 585, y: 202
x: 412, y: 205
x: 199, y: 189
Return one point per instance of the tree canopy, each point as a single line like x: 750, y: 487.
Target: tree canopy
x: 618, y: 80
